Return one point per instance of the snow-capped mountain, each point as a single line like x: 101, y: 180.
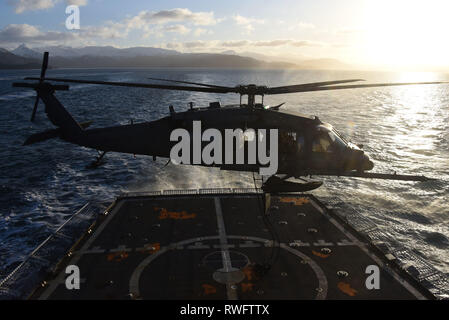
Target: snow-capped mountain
x: 97, y: 51
x: 9, y: 60
x: 24, y: 51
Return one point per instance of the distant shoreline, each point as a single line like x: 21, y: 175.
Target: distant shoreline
x: 3, y: 67
x: 19, y: 67
x: 37, y: 68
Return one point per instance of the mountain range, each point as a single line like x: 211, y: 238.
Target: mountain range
x: 9, y: 60
x: 110, y: 57
x: 106, y: 51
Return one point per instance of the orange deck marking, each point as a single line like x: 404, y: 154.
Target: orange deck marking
x: 117, y: 256
x: 346, y: 288
x: 296, y: 201
x: 182, y: 215
x: 208, y: 289
x: 319, y: 254
x: 247, y: 286
x: 249, y: 273
x: 151, y: 248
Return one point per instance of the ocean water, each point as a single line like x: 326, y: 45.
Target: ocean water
x: 403, y: 129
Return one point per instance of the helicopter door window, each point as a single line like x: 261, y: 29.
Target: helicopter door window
x: 292, y: 135
x: 287, y: 142
x: 300, y: 143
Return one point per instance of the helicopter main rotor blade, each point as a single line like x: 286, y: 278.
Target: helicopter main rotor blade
x: 188, y: 82
x: 353, y: 86
x: 370, y: 175
x: 294, y: 88
x: 250, y: 89
x: 141, y: 85
x: 44, y: 66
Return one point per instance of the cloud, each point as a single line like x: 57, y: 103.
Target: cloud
x: 191, y: 45
x: 111, y: 31
x: 177, y: 28
x: 155, y: 24
x: 215, y: 45
x: 305, y: 25
x: 14, y: 34
x: 302, y: 26
x: 283, y: 42
x: 170, y: 16
x: 13, y: 31
x: 272, y: 43
x: 21, y: 6
x: 25, y: 5
x: 234, y: 44
x: 173, y: 45
x: 246, y: 23
x: 195, y: 44
x: 348, y: 31
x: 151, y: 23
x: 76, y: 2
x: 200, y: 31
x: 306, y: 43
x: 240, y: 20
x: 20, y: 33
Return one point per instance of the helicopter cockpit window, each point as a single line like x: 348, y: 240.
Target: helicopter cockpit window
x: 321, y: 143
x: 328, y: 140
x: 337, y: 141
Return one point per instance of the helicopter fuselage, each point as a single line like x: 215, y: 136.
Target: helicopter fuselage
x: 305, y: 144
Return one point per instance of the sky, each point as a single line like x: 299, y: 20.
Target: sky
x: 389, y: 34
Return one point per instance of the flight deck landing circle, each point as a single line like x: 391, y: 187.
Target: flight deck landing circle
x: 214, y: 259
x: 134, y: 282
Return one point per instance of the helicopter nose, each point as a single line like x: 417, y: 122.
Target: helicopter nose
x: 367, y: 164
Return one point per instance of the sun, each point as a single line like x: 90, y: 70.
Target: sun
x: 406, y: 33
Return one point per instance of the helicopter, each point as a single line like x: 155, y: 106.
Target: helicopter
x: 306, y: 146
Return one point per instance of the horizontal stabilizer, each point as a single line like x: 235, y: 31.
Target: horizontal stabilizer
x: 50, y: 134
x: 42, y: 136
x: 86, y: 124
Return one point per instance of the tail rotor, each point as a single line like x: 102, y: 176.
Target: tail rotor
x: 41, y: 79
